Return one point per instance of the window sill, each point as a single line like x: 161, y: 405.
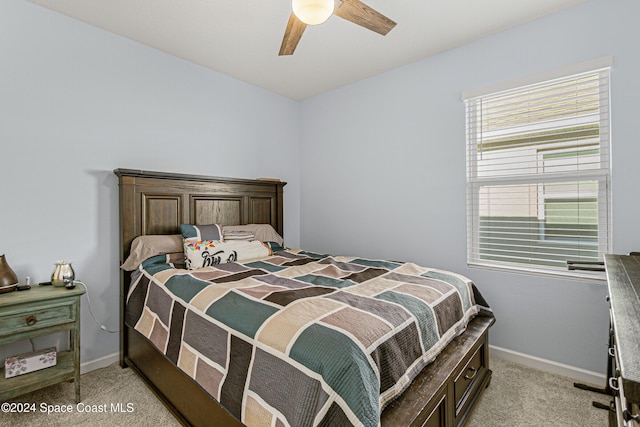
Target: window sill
x: 599, y: 277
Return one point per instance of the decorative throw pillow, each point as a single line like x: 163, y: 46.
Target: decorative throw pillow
x: 207, y: 253
x: 201, y: 253
x: 202, y: 232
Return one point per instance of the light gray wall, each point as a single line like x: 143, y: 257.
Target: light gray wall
x: 383, y: 171
x: 77, y: 102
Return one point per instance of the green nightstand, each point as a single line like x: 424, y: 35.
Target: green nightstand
x: 41, y: 310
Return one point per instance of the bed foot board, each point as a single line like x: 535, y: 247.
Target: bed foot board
x: 444, y: 393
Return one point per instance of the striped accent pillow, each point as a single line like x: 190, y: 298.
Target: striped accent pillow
x: 238, y: 235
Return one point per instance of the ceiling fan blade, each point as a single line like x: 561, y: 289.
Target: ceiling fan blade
x: 292, y: 34
x: 359, y: 13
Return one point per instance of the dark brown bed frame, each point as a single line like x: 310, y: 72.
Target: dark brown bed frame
x: 157, y: 203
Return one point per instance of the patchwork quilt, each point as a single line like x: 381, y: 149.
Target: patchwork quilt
x: 298, y: 338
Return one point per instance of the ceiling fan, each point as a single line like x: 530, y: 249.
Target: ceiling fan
x: 314, y: 12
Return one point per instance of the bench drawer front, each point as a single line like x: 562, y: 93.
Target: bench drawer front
x: 466, y: 380
x: 437, y: 417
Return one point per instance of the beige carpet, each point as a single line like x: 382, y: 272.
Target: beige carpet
x: 99, y: 389
x: 522, y: 396
x: 517, y: 396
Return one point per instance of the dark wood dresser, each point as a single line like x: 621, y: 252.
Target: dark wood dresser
x: 623, y: 277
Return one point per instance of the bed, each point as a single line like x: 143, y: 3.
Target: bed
x: 420, y: 377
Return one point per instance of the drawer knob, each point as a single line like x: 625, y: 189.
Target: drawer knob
x: 31, y: 320
x: 471, y: 376
x: 613, y: 383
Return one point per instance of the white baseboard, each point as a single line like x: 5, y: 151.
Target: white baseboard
x: 578, y: 374
x: 102, y: 362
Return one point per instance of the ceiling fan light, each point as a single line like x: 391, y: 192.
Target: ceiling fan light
x: 313, y: 12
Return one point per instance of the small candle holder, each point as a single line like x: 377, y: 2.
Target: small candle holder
x: 63, y: 275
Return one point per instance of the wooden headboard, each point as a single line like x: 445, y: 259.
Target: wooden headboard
x: 157, y: 203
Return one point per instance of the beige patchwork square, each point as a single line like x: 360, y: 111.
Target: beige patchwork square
x: 255, y: 414
x: 411, y: 269
x: 372, y: 287
x: 187, y: 361
x: 145, y: 323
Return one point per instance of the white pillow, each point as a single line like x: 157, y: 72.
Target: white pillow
x: 207, y: 253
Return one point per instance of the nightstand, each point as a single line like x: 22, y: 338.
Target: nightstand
x: 41, y: 310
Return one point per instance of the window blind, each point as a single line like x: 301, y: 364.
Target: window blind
x: 538, y: 174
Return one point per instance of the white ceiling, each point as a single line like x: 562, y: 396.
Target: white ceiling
x: 241, y: 38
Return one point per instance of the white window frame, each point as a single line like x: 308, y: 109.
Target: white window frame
x: 601, y: 175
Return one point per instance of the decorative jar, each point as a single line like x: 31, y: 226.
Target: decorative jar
x: 8, y: 278
x: 63, y: 274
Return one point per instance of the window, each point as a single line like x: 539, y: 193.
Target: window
x: 538, y: 174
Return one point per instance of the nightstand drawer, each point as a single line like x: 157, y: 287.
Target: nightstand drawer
x: 36, y: 317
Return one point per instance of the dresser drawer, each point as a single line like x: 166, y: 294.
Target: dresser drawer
x: 20, y: 319
x: 465, y: 381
